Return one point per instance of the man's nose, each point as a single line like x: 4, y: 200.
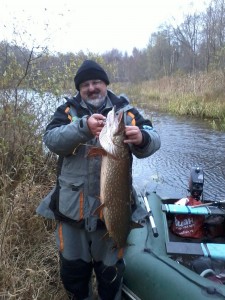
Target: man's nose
x: 91, y: 86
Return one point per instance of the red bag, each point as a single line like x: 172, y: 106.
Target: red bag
x: 187, y: 225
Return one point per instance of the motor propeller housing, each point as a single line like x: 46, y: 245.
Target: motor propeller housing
x: 196, y: 182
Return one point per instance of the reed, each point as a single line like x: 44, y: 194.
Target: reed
x: 201, y: 95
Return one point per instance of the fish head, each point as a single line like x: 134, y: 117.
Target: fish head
x: 112, y: 135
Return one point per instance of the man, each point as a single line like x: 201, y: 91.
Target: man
x: 75, y: 127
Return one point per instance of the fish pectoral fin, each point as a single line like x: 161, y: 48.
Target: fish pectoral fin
x: 98, y: 210
x: 106, y: 235
x: 96, y: 151
x: 134, y: 225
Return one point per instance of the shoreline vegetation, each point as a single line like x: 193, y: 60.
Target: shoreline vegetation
x: 200, y: 95
x: 29, y: 260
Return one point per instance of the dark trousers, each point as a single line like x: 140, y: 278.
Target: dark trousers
x: 80, y: 253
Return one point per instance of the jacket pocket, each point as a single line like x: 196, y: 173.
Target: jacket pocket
x: 71, y: 198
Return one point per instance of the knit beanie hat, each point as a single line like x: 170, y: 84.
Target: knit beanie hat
x: 90, y: 70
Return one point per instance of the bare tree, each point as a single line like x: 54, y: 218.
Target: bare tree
x: 187, y: 37
x: 213, y: 33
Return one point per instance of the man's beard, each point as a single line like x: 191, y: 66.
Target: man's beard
x: 97, y: 103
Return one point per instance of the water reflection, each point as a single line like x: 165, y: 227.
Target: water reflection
x: 185, y: 143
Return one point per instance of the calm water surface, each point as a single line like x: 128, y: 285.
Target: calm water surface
x: 185, y: 143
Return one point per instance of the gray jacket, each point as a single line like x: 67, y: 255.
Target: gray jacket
x: 75, y: 196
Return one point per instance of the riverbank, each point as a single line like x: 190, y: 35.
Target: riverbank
x: 201, y: 95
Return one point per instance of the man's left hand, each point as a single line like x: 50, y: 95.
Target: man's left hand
x: 134, y: 135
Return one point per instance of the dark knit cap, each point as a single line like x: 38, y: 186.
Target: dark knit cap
x: 90, y: 70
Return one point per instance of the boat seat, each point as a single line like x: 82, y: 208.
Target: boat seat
x: 216, y: 251
x: 213, y: 250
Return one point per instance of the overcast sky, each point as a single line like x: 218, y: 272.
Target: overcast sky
x: 90, y: 25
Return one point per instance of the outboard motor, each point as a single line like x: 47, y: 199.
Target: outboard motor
x: 196, y: 182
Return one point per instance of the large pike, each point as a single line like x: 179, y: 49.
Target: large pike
x: 115, y: 183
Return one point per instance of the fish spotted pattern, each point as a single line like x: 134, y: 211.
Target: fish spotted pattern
x: 115, y: 185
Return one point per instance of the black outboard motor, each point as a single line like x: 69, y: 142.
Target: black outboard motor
x: 196, y: 182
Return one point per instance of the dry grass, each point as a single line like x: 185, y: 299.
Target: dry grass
x: 200, y: 95
x: 29, y: 266
x: 29, y: 260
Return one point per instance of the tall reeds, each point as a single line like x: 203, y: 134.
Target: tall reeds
x: 200, y: 95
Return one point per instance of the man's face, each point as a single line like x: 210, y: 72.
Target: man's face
x: 93, y: 92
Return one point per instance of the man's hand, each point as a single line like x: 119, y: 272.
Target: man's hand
x: 95, y: 123
x: 134, y: 135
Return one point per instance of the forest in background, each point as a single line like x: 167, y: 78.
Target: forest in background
x: 182, y: 70
x: 196, y: 45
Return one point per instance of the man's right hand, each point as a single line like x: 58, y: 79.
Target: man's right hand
x: 95, y: 123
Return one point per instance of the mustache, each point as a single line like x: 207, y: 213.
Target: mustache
x: 94, y: 92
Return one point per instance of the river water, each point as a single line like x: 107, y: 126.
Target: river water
x: 186, y: 143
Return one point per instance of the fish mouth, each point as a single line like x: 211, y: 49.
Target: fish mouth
x: 113, y: 134
x: 113, y: 121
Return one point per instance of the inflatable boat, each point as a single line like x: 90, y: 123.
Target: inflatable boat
x: 162, y: 264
